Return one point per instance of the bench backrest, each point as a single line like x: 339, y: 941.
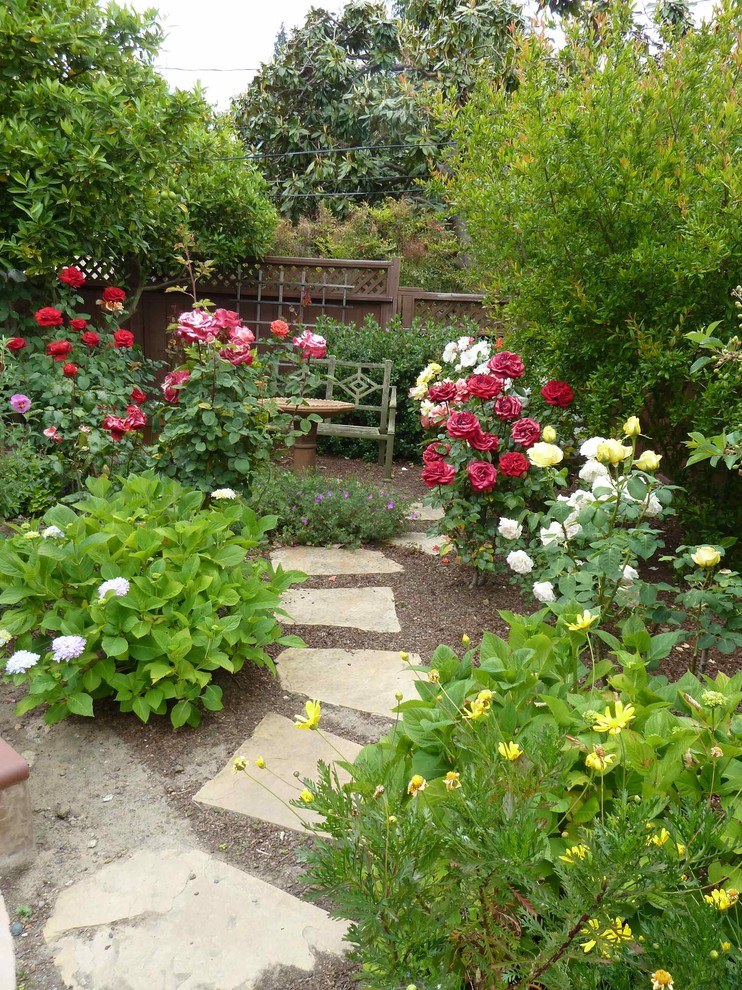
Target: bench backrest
x: 365, y: 384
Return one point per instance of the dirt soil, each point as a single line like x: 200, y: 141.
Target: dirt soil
x: 102, y: 789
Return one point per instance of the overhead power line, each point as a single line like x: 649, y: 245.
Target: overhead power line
x: 184, y: 68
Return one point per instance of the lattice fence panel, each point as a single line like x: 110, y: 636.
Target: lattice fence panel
x: 445, y: 311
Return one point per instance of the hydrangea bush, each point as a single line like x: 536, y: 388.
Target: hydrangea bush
x: 493, y: 442
x: 141, y: 594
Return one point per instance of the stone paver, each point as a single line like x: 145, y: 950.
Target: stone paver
x: 420, y: 541
x: 425, y: 513
x: 181, y: 920
x: 334, y: 560
x: 368, y: 609
x: 7, y: 954
x: 286, y: 750
x: 366, y: 680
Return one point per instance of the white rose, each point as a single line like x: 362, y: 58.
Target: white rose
x: 603, y: 488
x: 463, y: 343
x: 450, y: 351
x: 510, y: 529
x: 580, y: 498
x: 553, y: 533
x: 519, y: 561
x: 482, y: 369
x: 544, y: 591
x: 629, y: 575
x: 652, y: 507
x: 589, y: 448
x: 468, y: 359
x: 592, y: 470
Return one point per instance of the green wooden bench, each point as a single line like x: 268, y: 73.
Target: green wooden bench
x: 368, y: 386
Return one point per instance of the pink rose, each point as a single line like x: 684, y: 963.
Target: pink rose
x: 506, y: 365
x: 311, y: 345
x: 135, y: 418
x: 526, y: 432
x: 438, y: 473
x: 241, y: 335
x: 462, y: 390
x: 483, y: 386
x: 197, y: 326
x: 169, y: 390
x: 508, y: 407
x: 482, y: 476
x: 436, y: 452
x: 463, y: 425
x: 227, y: 319
x: 443, y: 392
x: 237, y: 355
x: 434, y: 417
x: 484, y: 441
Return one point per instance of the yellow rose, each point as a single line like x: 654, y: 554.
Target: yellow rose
x: 649, y: 461
x: 612, y: 452
x: 549, y: 434
x: 706, y: 556
x: 545, y: 455
x: 632, y: 427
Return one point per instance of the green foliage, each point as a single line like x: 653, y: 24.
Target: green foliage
x: 359, y: 79
x: 28, y: 486
x: 319, y: 511
x: 600, y: 196
x: 427, y: 245
x: 190, y: 605
x: 99, y: 160
x: 408, y: 349
x: 497, y: 838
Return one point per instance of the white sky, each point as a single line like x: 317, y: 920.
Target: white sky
x: 239, y: 35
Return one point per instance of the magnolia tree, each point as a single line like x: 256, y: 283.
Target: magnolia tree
x: 494, y: 442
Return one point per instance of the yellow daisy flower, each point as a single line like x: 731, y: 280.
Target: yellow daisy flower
x: 510, y: 751
x: 612, y: 724
x: 314, y: 713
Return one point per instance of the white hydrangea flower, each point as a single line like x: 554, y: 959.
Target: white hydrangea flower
x: 21, y: 661
x: 510, y: 529
x: 589, y: 449
x: 544, y: 591
x: 224, y: 493
x: 520, y: 562
x: 119, y: 586
x: 592, y: 470
x: 629, y: 575
x: 53, y: 533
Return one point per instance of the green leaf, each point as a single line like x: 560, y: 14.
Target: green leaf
x: 180, y: 713
x: 80, y: 704
x: 115, y: 646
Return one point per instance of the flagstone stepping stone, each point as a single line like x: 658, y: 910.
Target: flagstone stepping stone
x: 366, y: 680
x: 286, y: 751
x: 369, y: 609
x: 425, y: 513
x: 178, y: 919
x: 334, y: 560
x: 420, y: 541
x: 7, y: 953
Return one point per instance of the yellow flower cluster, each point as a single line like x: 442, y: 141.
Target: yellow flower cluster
x: 575, y: 853
x: 722, y: 899
x: 480, y: 706
x: 510, y: 751
x: 608, y: 940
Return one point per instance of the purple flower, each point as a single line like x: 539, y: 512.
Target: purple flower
x: 329, y: 494
x: 68, y: 647
x: 346, y: 495
x: 21, y: 403
x: 318, y: 498
x: 390, y: 505
x: 304, y: 520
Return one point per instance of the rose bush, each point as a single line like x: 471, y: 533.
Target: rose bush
x: 488, y: 459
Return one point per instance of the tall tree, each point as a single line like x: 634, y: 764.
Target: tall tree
x: 99, y: 160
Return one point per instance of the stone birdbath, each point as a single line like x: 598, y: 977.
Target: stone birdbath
x: 305, y: 444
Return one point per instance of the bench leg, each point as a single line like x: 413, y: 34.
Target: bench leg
x: 388, y: 458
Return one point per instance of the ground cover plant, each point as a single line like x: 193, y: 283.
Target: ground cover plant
x: 318, y: 511
x: 139, y: 593
x: 514, y: 829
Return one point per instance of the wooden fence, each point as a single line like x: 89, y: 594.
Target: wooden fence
x: 297, y: 290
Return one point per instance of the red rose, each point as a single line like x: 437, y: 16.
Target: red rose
x: 114, y: 295
x: 116, y: 426
x: 483, y: 386
x: 135, y: 418
x: 72, y: 276
x: 484, y: 441
x: 91, y: 338
x: 526, y: 432
x: 227, y: 319
x: 438, y: 473
x: 462, y: 425
x: 49, y: 317
x: 513, y: 465
x: 443, y: 392
x: 482, y: 476
x: 506, y: 364
x: 70, y: 370
x: 169, y: 391
x: 557, y: 394
x: 436, y: 452
x: 137, y: 395
x: 78, y: 324
x: 16, y: 344
x: 123, y: 338
x: 58, y: 349
x: 279, y: 328
x: 508, y: 407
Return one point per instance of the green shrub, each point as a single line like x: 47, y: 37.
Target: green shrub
x: 409, y: 350
x: 27, y: 487
x: 601, y: 196
x: 317, y: 511
x: 148, y: 589
x: 513, y: 831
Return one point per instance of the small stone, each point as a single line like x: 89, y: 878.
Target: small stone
x: 16, y: 929
x: 92, y: 844
x: 62, y: 811
x: 178, y: 769
x: 108, y: 797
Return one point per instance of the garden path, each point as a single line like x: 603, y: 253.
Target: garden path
x: 180, y: 919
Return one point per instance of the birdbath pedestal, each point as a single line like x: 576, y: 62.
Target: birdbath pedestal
x: 305, y: 444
